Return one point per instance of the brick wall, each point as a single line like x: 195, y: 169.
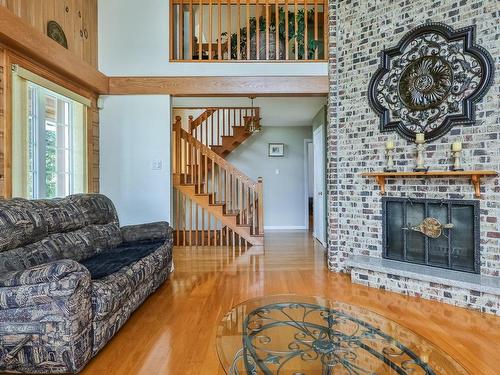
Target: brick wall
x: 359, y: 30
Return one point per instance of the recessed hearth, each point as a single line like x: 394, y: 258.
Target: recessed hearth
x: 438, y: 233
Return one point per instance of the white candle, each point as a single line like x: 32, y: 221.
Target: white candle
x: 420, y: 137
x: 389, y: 145
x: 456, y: 147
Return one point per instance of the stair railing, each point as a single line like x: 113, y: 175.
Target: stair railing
x: 196, y: 164
x: 217, y: 122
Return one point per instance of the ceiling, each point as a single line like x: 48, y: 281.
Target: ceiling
x: 275, y: 111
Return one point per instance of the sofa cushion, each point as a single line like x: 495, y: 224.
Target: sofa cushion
x: 77, y: 227
x: 111, y: 292
x: 77, y: 245
x: 21, y: 223
x: 112, y: 260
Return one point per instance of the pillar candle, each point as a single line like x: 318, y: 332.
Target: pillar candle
x: 456, y: 146
x: 420, y: 137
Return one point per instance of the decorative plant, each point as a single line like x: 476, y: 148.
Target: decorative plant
x: 293, y: 35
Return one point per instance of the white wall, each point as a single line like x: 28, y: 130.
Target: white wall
x: 134, y: 41
x: 134, y: 132
x: 284, y: 193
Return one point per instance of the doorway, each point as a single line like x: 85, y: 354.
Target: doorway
x: 314, y: 172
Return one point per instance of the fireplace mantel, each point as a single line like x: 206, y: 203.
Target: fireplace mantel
x: 475, y: 177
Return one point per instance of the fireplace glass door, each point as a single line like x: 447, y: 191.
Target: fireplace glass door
x: 439, y: 233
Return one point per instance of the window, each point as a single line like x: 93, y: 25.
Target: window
x: 49, y: 142
x: 51, y: 133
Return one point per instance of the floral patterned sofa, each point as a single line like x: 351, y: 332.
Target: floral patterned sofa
x: 70, y: 277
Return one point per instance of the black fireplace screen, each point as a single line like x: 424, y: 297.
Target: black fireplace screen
x: 439, y: 233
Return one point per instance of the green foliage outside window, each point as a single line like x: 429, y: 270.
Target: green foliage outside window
x: 50, y: 164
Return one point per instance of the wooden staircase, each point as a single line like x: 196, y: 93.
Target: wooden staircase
x: 214, y: 203
x: 223, y: 129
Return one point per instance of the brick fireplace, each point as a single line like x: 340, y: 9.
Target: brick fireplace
x: 359, y: 30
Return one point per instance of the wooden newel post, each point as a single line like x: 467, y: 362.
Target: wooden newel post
x: 260, y: 207
x: 190, y: 124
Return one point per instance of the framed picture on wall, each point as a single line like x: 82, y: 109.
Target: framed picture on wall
x: 276, y: 149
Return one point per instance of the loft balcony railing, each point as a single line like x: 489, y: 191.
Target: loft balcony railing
x: 225, y: 31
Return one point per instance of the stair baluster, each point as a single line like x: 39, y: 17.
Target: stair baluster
x: 204, y: 180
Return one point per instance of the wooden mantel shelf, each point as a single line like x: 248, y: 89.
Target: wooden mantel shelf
x: 475, y: 177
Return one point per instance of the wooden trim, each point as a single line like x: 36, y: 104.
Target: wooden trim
x: 248, y: 28
x: 277, y: 30
x: 267, y: 30
x: 238, y: 30
x: 306, y: 45
x: 172, y: 28
x: 19, y: 36
x: 252, y: 2
x: 296, y: 28
x: 221, y: 86
x: 3, y: 107
x: 181, y: 30
x: 210, y: 27
x: 191, y: 26
x: 286, y: 31
x: 250, y: 61
x: 8, y: 129
x: 475, y: 177
x: 316, y: 26
x: 219, y: 30
x: 257, y: 32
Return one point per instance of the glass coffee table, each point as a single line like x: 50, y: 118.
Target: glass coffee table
x: 295, y: 335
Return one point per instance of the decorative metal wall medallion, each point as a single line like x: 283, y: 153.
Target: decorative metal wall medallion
x: 55, y: 32
x: 430, y: 81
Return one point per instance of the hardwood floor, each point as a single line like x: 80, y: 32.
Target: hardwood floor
x: 174, y: 331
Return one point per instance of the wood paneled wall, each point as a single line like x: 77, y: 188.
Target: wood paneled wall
x: 93, y: 147
x: 78, y: 18
x: 2, y: 122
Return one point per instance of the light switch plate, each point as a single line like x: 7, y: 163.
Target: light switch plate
x: 157, y: 165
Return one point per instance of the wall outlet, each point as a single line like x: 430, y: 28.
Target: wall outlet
x: 157, y: 165
x: 277, y: 171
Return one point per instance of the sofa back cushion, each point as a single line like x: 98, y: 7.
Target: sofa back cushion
x: 77, y: 227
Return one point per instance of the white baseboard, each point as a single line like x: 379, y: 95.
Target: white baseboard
x: 285, y: 227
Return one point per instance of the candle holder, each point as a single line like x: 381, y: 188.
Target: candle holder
x: 389, y: 152
x: 457, y: 166
x: 420, y: 155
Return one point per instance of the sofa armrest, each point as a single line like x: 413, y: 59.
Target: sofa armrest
x: 42, y: 284
x: 44, y: 273
x: 152, y: 231
x: 46, y: 317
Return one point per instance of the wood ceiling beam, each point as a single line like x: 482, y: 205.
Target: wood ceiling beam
x: 18, y: 35
x: 220, y: 86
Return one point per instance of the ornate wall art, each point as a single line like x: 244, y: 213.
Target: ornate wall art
x: 430, y: 81
x: 55, y: 32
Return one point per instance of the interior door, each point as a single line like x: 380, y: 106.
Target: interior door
x: 319, y: 185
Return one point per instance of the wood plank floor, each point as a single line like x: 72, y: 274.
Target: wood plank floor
x: 174, y: 331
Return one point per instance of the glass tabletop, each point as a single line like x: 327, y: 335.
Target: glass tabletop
x: 296, y: 335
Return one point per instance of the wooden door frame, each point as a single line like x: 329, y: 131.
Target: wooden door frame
x: 307, y: 141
